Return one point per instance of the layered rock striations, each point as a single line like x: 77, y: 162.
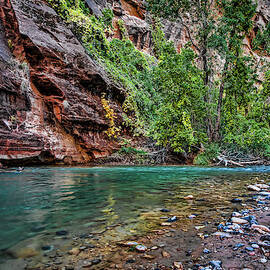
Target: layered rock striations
x: 50, y: 90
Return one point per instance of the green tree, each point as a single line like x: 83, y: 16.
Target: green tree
x: 213, y: 37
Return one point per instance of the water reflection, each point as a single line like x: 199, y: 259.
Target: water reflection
x: 40, y: 201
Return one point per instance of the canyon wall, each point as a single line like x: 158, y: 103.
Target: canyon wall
x: 50, y: 89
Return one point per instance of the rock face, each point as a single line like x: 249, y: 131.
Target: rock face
x: 50, y: 95
x: 50, y: 89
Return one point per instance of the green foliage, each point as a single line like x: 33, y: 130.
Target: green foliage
x: 208, y: 155
x: 169, y: 98
x: 249, y: 136
x: 262, y: 40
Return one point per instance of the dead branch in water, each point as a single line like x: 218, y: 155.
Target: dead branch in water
x: 226, y: 161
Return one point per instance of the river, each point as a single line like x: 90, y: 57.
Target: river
x: 37, y: 205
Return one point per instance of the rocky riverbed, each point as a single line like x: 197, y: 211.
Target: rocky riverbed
x: 213, y: 226
x: 241, y: 241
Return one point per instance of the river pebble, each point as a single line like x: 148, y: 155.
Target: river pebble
x: 238, y: 220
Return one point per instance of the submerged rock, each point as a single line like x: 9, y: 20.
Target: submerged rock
x: 236, y: 200
x: 238, y: 220
x: 141, y: 248
x: 178, y: 265
x: 61, y: 233
x: 189, y: 197
x: 172, y: 219
x: 164, y: 210
x: 253, y: 188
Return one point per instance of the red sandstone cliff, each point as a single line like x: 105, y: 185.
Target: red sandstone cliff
x: 50, y: 95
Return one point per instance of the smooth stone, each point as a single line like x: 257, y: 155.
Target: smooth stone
x: 238, y: 220
x: 164, y: 210
x: 249, y: 249
x: 222, y: 234
x: 141, y: 248
x: 236, y: 214
x: 236, y: 200
x: 165, y: 254
x: 61, y: 233
x: 206, y: 251
x: 47, y: 248
x: 253, y: 188
x: 255, y: 246
x: 189, y: 197
x: 262, y: 186
x: 131, y: 244
x: 260, y: 227
x: 166, y: 224
x: 172, y: 219
x: 216, y: 264
x: 237, y: 246
x: 148, y: 257
x: 154, y: 248
x: 263, y: 260
x: 178, y: 265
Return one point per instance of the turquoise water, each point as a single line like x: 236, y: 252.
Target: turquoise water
x: 41, y: 201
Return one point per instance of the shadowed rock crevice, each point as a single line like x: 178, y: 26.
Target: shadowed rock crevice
x: 63, y: 119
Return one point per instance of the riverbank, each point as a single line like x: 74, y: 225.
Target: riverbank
x: 237, y: 241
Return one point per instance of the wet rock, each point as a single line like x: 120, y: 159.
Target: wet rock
x: 189, y: 197
x: 238, y: 220
x: 265, y: 237
x: 236, y: 200
x: 249, y: 249
x: 164, y: 210
x: 262, y: 186
x: 75, y: 251
x: 86, y: 263
x: 47, y: 248
x: 131, y: 244
x: 216, y: 264
x: 148, y: 257
x: 165, y: 224
x: 165, y: 254
x: 236, y: 214
x: 237, y: 246
x: 90, y: 246
x: 178, y: 265
x: 61, y: 233
x: 206, y: 251
x: 172, y: 219
x: 131, y: 260
x: 141, y: 248
x: 253, y: 188
x: 222, y: 234
x: 255, y: 246
x: 260, y: 228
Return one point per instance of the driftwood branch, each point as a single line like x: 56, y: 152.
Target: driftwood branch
x: 226, y: 161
